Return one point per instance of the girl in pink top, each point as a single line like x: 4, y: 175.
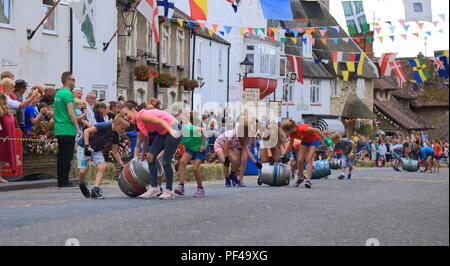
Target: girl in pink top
x: 149, y: 121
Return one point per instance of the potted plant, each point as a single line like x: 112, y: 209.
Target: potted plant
x: 165, y: 80
x: 189, y: 84
x: 144, y: 73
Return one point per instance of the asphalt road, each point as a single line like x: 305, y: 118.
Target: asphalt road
x: 395, y: 208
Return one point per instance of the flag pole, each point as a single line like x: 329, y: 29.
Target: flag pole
x: 30, y: 33
x: 106, y: 44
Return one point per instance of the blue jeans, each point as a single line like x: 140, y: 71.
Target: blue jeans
x: 169, y: 145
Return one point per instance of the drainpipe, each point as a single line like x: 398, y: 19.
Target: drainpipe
x: 193, y: 68
x: 228, y: 76
x: 71, y: 41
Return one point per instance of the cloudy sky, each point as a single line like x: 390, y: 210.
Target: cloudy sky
x: 393, y: 10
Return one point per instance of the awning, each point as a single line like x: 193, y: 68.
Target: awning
x: 266, y: 86
x: 331, y: 125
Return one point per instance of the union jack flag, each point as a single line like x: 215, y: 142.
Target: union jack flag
x: 438, y: 63
x: 441, y: 64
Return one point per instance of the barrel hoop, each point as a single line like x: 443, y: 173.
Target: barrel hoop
x: 131, y: 181
x: 275, y: 175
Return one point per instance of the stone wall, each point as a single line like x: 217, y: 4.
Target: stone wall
x: 347, y: 88
x: 438, y: 118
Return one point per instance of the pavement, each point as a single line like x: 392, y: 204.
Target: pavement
x: 394, y: 208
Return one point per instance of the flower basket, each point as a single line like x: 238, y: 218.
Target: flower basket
x: 165, y: 80
x: 144, y: 73
x: 189, y: 84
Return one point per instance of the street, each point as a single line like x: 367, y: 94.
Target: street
x: 395, y: 208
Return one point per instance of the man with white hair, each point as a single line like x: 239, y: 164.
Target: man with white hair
x: 90, y: 99
x: 77, y: 93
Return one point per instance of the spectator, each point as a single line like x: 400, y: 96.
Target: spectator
x: 5, y: 75
x: 101, y: 112
x: 19, y: 91
x: 77, y: 93
x: 112, y: 110
x: 49, y: 96
x: 81, y: 112
x: 90, y: 99
x: 66, y: 128
x: 31, y: 114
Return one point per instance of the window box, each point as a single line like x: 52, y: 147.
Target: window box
x: 132, y: 58
x: 167, y: 65
x: 180, y: 67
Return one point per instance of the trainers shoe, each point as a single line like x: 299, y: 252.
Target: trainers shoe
x: 167, y: 194
x: 200, y: 193
x: 151, y: 192
x: 227, y: 182
x: 299, y: 182
x: 349, y: 176
x: 179, y: 190
x: 235, y: 181
x: 84, y: 190
x: 341, y: 177
x: 308, y: 184
x: 96, y: 194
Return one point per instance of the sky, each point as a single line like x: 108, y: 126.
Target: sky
x: 393, y: 10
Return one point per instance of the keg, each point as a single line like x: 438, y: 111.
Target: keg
x: 335, y: 164
x: 135, y: 177
x: 275, y: 175
x: 321, y: 169
x: 410, y: 165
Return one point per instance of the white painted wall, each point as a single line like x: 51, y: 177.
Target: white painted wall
x: 93, y: 68
x: 213, y: 95
x: 42, y: 59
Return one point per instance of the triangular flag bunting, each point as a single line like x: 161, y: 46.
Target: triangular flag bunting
x: 227, y: 29
x: 211, y: 32
x: 294, y: 40
x: 250, y: 30
x: 416, y: 34
x: 335, y: 30
x: 442, y: 16
x: 242, y: 30
x: 313, y: 41
x: 428, y: 32
x: 420, y: 24
x: 404, y: 36
x: 295, y: 33
x: 305, y: 40
x: 215, y: 27
x: 402, y: 21
x: 269, y: 31
x: 346, y: 40
x: 357, y: 39
x: 335, y: 40
x: 324, y: 41
x: 380, y: 38
x: 435, y: 23
x: 283, y: 40
x: 222, y: 33
x: 202, y: 26
x: 392, y: 37
x: 369, y: 39
x: 180, y: 21
x: 274, y: 30
x: 406, y: 28
x: 323, y: 32
x: 378, y: 30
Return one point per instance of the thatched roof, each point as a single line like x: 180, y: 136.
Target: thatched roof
x: 312, y: 14
x: 406, y: 118
x: 385, y: 83
x: 355, y: 108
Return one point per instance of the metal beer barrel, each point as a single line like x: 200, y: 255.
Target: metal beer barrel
x: 275, y: 175
x: 135, y: 177
x: 410, y: 165
x: 335, y: 164
x: 321, y: 169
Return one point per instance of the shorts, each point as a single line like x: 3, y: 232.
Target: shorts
x: 396, y: 155
x: 438, y: 157
x: 198, y: 155
x: 346, y: 162
x: 292, y: 155
x: 83, y: 161
x: 314, y: 143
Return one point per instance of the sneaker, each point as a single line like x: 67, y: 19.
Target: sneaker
x: 299, y: 182
x: 308, y: 184
x: 179, y: 190
x: 349, y: 176
x: 227, y: 182
x: 96, y: 194
x: 167, y: 194
x: 200, y: 193
x: 236, y: 185
x: 235, y: 181
x: 84, y: 190
x: 341, y: 177
x: 151, y: 192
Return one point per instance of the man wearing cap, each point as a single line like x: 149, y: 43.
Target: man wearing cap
x: 19, y: 91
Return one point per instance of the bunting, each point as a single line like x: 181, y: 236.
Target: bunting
x: 398, y: 72
x: 385, y: 65
x: 420, y: 71
x: 441, y: 66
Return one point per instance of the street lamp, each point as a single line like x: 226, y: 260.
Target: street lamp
x: 246, y: 66
x: 129, y: 19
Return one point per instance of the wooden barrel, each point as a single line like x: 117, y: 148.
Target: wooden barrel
x: 135, y: 177
x: 410, y: 165
x: 275, y: 175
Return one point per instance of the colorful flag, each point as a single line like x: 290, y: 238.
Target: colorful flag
x: 418, y: 10
x: 277, y: 10
x: 398, y: 72
x: 420, y: 70
x: 234, y: 4
x: 199, y: 9
x: 355, y: 16
x: 296, y: 65
x: 441, y: 66
x: 362, y: 58
x: 84, y: 12
x: 337, y: 57
x: 165, y: 8
x: 385, y: 65
x: 149, y: 9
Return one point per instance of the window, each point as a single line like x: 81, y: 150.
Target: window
x: 315, y: 91
x: 250, y: 47
x: 165, y: 46
x: 251, y: 58
x: 180, y: 48
x: 418, y: 8
x: 273, y: 65
x: 335, y: 88
x: 220, y: 64
x: 5, y: 12
x: 283, y: 72
x: 199, y: 59
x: 360, y: 88
x: 100, y: 91
x: 49, y: 23
x: 264, y: 67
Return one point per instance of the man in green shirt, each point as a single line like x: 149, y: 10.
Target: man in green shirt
x: 66, y: 128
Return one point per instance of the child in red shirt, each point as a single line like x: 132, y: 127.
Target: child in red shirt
x: 310, y: 138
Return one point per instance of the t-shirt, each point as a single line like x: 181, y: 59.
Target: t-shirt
x: 329, y: 142
x: 30, y: 111
x: 343, y: 147
x: 383, y: 150
x: 303, y: 135
x: 12, y: 104
x: 425, y: 152
x: 104, y: 138
x: 437, y: 150
x: 145, y: 128
x: 398, y: 149
x: 63, y: 123
x: 231, y: 136
x: 192, y: 139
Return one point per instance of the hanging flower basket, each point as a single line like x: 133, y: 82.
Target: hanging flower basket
x: 189, y: 84
x: 144, y: 73
x: 165, y: 80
